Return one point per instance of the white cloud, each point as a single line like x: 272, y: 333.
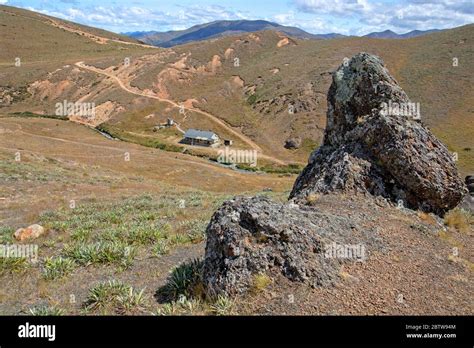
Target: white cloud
x: 334, y: 7
x: 124, y: 18
x: 371, y: 15
x: 314, y: 25
x: 3, y: 2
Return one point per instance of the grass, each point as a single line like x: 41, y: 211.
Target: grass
x: 180, y: 307
x: 312, y: 199
x: 260, y: 282
x: 184, y: 280
x: 101, y: 253
x: 458, y: 219
x: 115, y: 296
x: 223, y: 305
x: 32, y: 114
x: 12, y: 265
x: 46, y: 311
x: 144, y: 141
x: 161, y: 248
x: 292, y: 168
x: 116, y: 232
x: 6, y: 234
x: 184, y: 293
x: 57, y: 267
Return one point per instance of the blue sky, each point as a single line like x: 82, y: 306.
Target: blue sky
x: 355, y: 17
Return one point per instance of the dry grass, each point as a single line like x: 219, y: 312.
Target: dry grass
x: 458, y: 219
x: 428, y: 218
x: 260, y: 282
x: 312, y: 198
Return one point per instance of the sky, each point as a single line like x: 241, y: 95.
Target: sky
x: 349, y: 17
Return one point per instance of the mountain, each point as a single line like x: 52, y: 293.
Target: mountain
x: 219, y: 29
x: 388, y: 34
x: 226, y: 28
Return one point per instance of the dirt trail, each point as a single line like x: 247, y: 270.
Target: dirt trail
x: 129, y: 89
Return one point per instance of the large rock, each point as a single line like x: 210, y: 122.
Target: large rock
x: 250, y: 236
x: 368, y: 149
x: 29, y: 233
x: 365, y: 150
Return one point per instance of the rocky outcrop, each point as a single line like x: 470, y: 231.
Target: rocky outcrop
x: 375, y: 143
x: 367, y: 149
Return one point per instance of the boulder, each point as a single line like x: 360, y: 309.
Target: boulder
x: 375, y: 143
x: 293, y: 143
x: 251, y: 236
x: 28, y: 233
x: 366, y: 149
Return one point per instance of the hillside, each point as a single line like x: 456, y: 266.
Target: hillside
x: 44, y: 44
x: 123, y: 208
x: 268, y: 88
x: 276, y: 74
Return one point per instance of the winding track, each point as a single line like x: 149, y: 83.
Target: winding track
x: 129, y: 89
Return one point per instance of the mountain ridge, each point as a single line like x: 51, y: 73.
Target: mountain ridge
x: 222, y: 28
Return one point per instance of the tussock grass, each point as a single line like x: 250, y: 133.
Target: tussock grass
x: 6, y: 234
x: 115, y: 296
x: 183, y: 306
x: 116, y: 232
x: 46, y: 311
x: 184, y: 280
x: 57, y: 267
x: 260, y: 282
x: 223, y: 305
x: 13, y: 265
x: 101, y: 253
x: 458, y: 219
